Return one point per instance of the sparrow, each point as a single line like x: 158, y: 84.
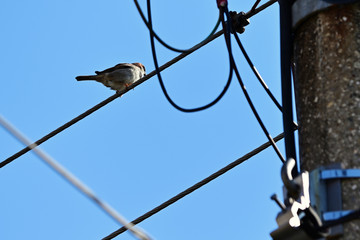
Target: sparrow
x: 118, y: 77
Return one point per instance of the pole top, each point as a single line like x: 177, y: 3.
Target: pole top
x: 301, y: 9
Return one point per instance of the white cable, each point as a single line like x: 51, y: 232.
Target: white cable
x: 140, y: 234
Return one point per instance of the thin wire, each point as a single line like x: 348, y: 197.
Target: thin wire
x: 160, y: 40
x: 196, y: 186
x: 75, y: 182
x: 253, y: 109
x: 255, y: 5
x: 257, y: 74
x: 259, y: 9
x: 116, y: 95
x: 187, y: 110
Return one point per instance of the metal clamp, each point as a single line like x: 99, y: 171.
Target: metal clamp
x: 298, y: 220
x: 325, y: 194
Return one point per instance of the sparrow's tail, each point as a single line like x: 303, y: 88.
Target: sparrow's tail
x: 89, y: 77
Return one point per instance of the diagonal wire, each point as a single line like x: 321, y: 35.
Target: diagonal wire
x: 196, y: 186
x: 257, y: 74
x: 75, y: 182
x: 157, y: 36
x: 253, y: 109
x: 116, y: 95
x: 255, y: 5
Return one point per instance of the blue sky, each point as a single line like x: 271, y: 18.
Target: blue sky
x: 137, y: 151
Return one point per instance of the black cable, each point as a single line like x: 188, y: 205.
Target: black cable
x: 160, y: 40
x: 162, y: 83
x: 255, y: 5
x: 228, y: 44
x: 195, y: 186
x: 286, y: 90
x: 257, y: 74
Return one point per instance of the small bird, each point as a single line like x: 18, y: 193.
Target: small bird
x: 118, y: 77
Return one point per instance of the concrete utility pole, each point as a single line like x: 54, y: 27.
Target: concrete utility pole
x: 327, y: 91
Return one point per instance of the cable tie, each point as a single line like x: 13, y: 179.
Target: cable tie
x: 239, y: 21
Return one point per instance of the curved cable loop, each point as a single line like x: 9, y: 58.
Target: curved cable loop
x: 228, y: 44
x: 160, y: 40
x: 162, y: 83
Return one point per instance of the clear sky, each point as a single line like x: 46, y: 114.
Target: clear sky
x: 137, y: 151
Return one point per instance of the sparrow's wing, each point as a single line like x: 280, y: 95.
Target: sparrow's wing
x: 118, y: 66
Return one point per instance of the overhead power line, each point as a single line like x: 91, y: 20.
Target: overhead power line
x: 196, y: 186
x: 75, y: 182
x: 116, y: 95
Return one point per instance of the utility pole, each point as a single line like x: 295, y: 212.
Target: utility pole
x: 327, y: 91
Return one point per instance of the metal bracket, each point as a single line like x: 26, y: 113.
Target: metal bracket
x: 339, y: 173
x: 325, y: 193
x: 298, y: 221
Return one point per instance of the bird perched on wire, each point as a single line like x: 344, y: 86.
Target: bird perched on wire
x: 118, y: 77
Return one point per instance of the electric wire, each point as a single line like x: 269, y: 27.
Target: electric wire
x: 160, y: 40
x: 196, y: 186
x: 258, y: 76
x: 75, y: 182
x: 162, y: 85
x: 255, y: 5
x: 248, y: 99
x: 116, y: 95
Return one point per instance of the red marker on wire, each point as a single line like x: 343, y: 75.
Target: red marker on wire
x: 221, y: 3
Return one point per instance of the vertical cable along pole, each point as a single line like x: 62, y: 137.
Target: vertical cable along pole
x: 286, y: 90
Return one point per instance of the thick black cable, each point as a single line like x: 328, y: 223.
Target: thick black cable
x: 286, y: 89
x: 160, y: 40
x: 253, y: 109
x: 187, y: 110
x: 106, y: 101
x: 195, y: 186
x: 255, y: 5
x: 116, y: 95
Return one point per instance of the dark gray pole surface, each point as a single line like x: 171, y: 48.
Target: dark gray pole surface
x: 327, y: 91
